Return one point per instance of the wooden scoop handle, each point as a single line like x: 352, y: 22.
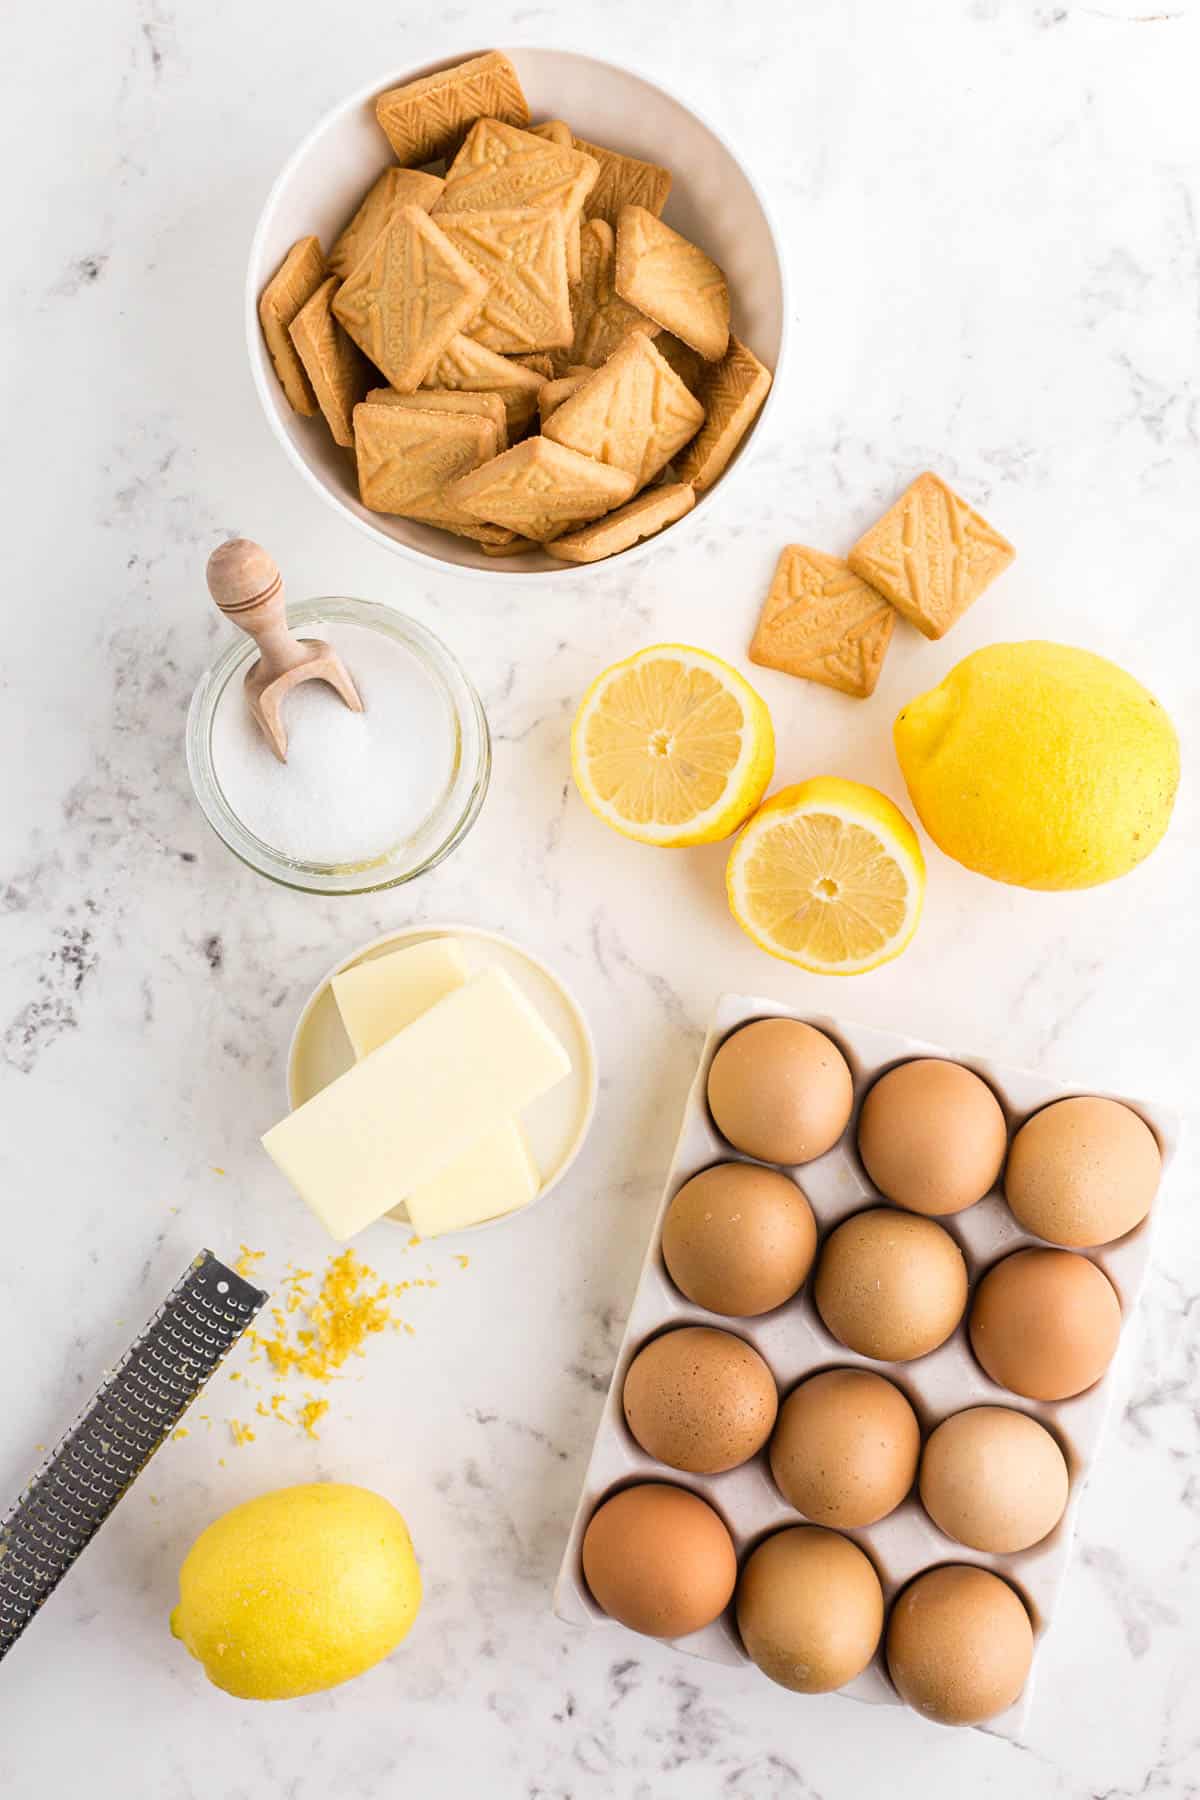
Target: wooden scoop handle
x: 247, y: 586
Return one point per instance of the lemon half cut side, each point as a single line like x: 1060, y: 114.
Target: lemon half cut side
x: 672, y: 747
x: 828, y: 875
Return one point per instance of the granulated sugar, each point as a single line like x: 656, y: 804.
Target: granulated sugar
x: 355, y: 785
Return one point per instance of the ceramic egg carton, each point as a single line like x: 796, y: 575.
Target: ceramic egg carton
x: 795, y: 1343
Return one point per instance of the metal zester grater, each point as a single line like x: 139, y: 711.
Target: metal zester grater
x: 135, y: 1408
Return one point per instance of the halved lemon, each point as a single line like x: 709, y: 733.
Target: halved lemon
x: 672, y: 747
x: 828, y: 875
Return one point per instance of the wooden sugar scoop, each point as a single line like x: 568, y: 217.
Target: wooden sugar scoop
x: 248, y: 588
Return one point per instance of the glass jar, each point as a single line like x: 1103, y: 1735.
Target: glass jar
x: 454, y: 808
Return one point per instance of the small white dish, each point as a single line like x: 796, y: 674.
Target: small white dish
x: 713, y: 200
x: 556, y: 1125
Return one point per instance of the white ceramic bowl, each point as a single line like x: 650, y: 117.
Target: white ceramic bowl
x: 556, y: 1125
x: 713, y: 200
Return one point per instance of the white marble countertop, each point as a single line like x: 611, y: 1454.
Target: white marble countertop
x: 991, y: 208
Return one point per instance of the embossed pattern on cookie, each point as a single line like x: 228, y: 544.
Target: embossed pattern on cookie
x: 823, y: 623
x: 294, y: 282
x: 520, y: 253
x: 731, y: 393
x: 407, y: 459
x: 468, y: 367
x: 499, y: 166
x: 623, y: 181
x: 634, y: 413
x: 395, y: 188
x: 672, y: 281
x: 540, y: 489
x: 425, y: 119
x: 340, y: 374
x: 601, y: 317
x: 641, y: 518
x: 408, y: 297
x: 931, y: 555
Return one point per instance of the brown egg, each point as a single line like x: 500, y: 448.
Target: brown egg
x: 810, y: 1609
x: 700, y: 1399
x: 1083, y: 1172
x: 739, y: 1240
x: 1045, y: 1323
x: 659, y: 1560
x: 959, y: 1645
x: 994, y: 1479
x: 932, y: 1136
x: 781, y: 1091
x: 845, y: 1448
x: 891, y: 1285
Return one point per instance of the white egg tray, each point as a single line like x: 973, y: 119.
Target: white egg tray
x: 795, y: 1343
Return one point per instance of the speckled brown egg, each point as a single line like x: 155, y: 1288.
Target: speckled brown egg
x: 994, y: 1479
x: 891, y: 1285
x: 659, y: 1560
x: 810, y: 1609
x: 932, y: 1136
x: 845, y: 1449
x: 959, y: 1645
x: 1083, y: 1172
x: 700, y: 1399
x: 1045, y: 1323
x: 739, y: 1240
x: 780, y: 1090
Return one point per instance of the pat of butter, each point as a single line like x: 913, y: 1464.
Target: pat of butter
x: 379, y: 998
x: 495, y: 1176
x: 417, y: 1103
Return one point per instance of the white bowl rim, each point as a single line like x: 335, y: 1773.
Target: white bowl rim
x: 258, y: 364
x: 441, y: 928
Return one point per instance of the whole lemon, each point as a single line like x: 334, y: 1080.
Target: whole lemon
x: 1040, y: 765
x: 297, y: 1591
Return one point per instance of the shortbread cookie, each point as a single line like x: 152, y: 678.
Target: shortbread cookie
x: 339, y: 372
x: 555, y: 392
x: 521, y: 254
x: 426, y: 119
x: 538, y: 360
x: 672, y: 281
x: 558, y: 132
x: 601, y: 317
x: 467, y: 367
x: 499, y: 166
x: 408, y: 297
x: 478, y: 406
x: 931, y: 555
x: 731, y: 393
x: 623, y: 181
x: 620, y: 530
x: 821, y: 622
x: 687, y: 363
x: 294, y: 283
x: 395, y: 188
x: 516, y: 546
x: 408, y: 459
x: 634, y: 413
x: 540, y: 489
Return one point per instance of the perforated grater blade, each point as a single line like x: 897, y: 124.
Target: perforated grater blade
x: 136, y: 1407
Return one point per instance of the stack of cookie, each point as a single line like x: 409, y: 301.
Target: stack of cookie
x: 513, y: 343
